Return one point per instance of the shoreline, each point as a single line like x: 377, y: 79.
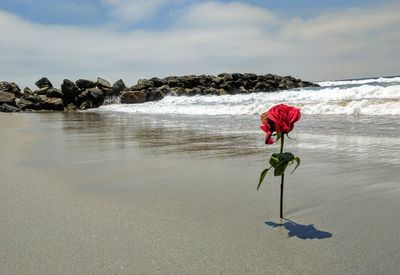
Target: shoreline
x: 85, y: 94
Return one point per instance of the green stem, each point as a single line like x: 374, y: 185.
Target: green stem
x: 282, y: 177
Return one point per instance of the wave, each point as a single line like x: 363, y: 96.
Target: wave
x: 379, y: 80
x: 363, y: 100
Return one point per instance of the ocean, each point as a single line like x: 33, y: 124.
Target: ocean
x: 359, y: 116
x: 375, y: 96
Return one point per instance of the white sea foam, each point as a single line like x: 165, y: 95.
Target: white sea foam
x: 360, y: 81
x: 362, y: 99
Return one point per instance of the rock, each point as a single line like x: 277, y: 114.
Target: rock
x: 105, y: 86
x: 145, y: 82
x: 6, y: 97
x: 195, y: 91
x: 84, y: 106
x: 173, y: 82
x: 41, y: 91
x: 71, y: 108
x: 24, y: 104
x: 10, y: 88
x: 90, y: 94
x: 139, y: 87
x: 250, y: 76
x: 85, y: 84
x: 96, y: 92
x: 70, y: 91
x: 190, y: 81
x: 237, y: 76
x: 32, y: 98
x: 102, y: 83
x: 222, y: 92
x: 53, y: 104
x: 304, y: 84
x: 133, y: 97
x: 107, y: 92
x: 226, y: 77
x: 158, y: 93
x: 177, y: 91
x: 27, y: 91
x: 43, y: 82
x: 118, y: 87
x: 6, y: 108
x: 94, y: 97
x: 53, y: 92
x: 157, y: 82
x: 229, y: 87
x: 263, y: 86
x: 212, y: 91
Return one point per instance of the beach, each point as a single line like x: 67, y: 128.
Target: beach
x: 123, y: 193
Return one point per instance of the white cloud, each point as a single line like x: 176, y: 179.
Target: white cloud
x: 227, y: 15
x: 209, y: 37
x: 134, y: 10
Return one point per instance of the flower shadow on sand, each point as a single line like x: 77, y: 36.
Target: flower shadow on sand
x: 301, y: 231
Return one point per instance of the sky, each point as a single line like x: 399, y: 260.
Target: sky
x: 131, y: 39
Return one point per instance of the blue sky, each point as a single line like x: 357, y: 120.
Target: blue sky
x: 97, y: 12
x: 311, y: 39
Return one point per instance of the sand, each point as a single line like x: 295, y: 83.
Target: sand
x: 83, y: 198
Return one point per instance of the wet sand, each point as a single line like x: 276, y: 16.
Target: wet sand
x: 100, y: 194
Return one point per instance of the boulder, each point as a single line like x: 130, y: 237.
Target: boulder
x: 70, y: 108
x: 33, y: 98
x: 130, y: 97
x: 140, y: 87
x: 226, y: 77
x: 173, y: 82
x: 102, y: 83
x: 196, y: 91
x: 94, y: 97
x: 69, y: 91
x: 177, y: 91
x: 107, y: 92
x: 158, y: 93
x: 250, y: 76
x: 190, y: 81
x: 42, y: 91
x: 263, y: 86
x: 222, y: 92
x: 43, y: 82
x: 304, y: 84
x: 52, y: 104
x: 27, y: 91
x: 24, y: 104
x: 96, y: 93
x: 157, y: 82
x: 145, y: 82
x: 6, y: 108
x: 53, y: 92
x: 10, y: 88
x: 211, y: 91
x: 82, y: 97
x: 118, y: 87
x: 85, y: 84
x: 84, y: 106
x: 6, y: 97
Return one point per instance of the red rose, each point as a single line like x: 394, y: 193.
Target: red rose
x: 279, y: 119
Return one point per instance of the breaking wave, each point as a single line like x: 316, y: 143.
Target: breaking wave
x: 379, y: 96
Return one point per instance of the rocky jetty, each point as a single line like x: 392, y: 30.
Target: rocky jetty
x: 84, y: 94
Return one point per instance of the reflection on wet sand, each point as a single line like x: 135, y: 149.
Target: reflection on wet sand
x: 220, y: 137
x: 164, y: 134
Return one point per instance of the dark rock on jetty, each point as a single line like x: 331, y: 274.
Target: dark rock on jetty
x: 85, y: 94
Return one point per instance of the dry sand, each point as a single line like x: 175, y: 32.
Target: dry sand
x: 73, y: 205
